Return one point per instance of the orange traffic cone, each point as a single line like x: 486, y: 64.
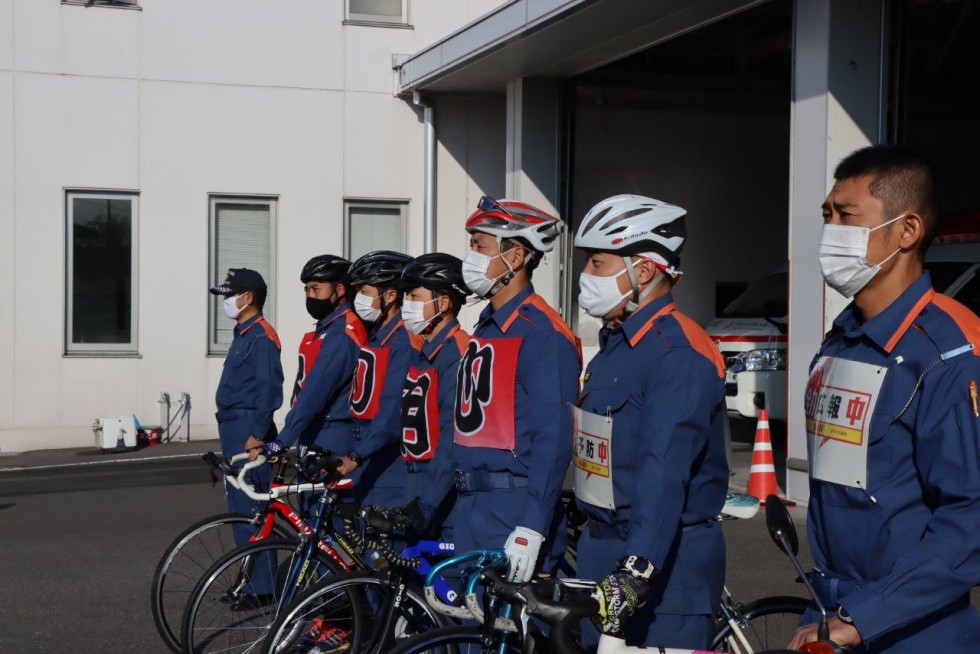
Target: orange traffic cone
x: 762, y: 473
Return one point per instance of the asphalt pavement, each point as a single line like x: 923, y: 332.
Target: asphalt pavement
x: 82, y: 533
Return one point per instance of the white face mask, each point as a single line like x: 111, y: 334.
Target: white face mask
x: 843, y: 251
x: 413, y: 315
x: 475, y: 265
x: 599, y: 295
x: 364, y: 306
x: 232, y: 310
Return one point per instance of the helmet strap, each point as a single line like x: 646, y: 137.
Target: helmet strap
x: 638, y: 295
x: 504, y: 279
x: 436, y: 319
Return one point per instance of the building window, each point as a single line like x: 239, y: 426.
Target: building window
x: 374, y: 225
x: 242, y: 235
x: 124, y: 4
x: 378, y: 12
x: 101, y: 273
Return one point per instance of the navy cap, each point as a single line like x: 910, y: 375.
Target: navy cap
x: 238, y: 280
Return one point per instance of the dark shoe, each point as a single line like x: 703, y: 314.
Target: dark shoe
x: 251, y: 601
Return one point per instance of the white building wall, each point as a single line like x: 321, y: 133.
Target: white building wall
x: 179, y: 100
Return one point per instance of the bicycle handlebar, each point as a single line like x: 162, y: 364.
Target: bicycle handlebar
x: 236, y: 479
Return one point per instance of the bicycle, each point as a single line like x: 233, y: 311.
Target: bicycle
x: 742, y: 629
x: 389, y: 602
x: 559, y: 603
x: 199, y: 546
x: 238, y: 597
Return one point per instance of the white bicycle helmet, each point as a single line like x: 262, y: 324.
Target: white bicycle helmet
x: 633, y: 224
x: 512, y: 219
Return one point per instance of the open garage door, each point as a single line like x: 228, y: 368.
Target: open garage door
x: 700, y: 121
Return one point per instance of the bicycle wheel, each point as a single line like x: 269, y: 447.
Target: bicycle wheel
x: 772, y: 621
x: 237, y: 599
x: 351, y: 608
x: 448, y: 640
x: 185, y: 561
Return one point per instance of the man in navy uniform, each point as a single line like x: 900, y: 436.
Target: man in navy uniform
x: 250, y: 389
x: 893, y: 425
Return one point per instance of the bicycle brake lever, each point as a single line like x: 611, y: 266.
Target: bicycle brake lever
x: 210, y: 459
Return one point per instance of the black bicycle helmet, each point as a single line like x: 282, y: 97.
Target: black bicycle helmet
x: 436, y: 271
x: 381, y: 268
x: 325, y: 268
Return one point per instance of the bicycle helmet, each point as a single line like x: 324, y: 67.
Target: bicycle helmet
x: 633, y: 224
x: 325, y: 268
x: 381, y: 268
x: 512, y: 219
x: 437, y: 272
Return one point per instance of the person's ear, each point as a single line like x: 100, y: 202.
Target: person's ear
x: 389, y: 296
x: 443, y: 305
x: 645, y: 269
x: 912, y: 231
x: 340, y: 290
x: 517, y: 256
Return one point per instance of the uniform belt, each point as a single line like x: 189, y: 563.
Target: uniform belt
x: 224, y: 415
x: 482, y: 481
x: 831, y: 589
x: 619, y: 531
x: 415, y: 466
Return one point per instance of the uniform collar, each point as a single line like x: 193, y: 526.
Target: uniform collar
x: 636, y: 326
x: 243, y: 327
x: 388, y: 330
x: 333, y: 315
x: 887, y: 328
x: 503, y: 316
x: 431, y: 348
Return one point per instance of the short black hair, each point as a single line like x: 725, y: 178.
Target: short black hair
x: 456, y: 300
x: 260, y: 296
x: 901, y: 179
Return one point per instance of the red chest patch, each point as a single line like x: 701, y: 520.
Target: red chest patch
x: 369, y: 381
x: 420, y: 415
x: 485, y: 387
x: 309, y: 350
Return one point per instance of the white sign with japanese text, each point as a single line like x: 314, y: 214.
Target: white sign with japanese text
x: 592, y: 471
x: 839, y: 402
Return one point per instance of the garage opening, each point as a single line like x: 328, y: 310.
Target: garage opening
x: 700, y: 121
x: 935, y: 91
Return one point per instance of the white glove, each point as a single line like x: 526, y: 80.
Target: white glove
x: 522, y: 548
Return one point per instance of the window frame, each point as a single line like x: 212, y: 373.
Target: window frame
x: 402, y: 204
x: 72, y: 349
x: 110, y: 4
x: 213, y: 348
x: 373, y: 20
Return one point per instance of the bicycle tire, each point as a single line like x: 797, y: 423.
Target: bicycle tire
x: 764, y: 632
x: 448, y: 640
x: 210, y: 624
x: 172, y: 586
x: 317, y: 604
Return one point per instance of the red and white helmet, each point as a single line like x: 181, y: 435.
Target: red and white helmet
x: 512, y: 219
x: 632, y: 225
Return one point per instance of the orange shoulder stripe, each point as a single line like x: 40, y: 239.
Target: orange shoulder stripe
x: 649, y: 323
x: 558, y: 323
x: 913, y: 314
x: 701, y: 342
x: 270, y: 332
x: 462, y: 340
x: 966, y: 320
x: 354, y: 328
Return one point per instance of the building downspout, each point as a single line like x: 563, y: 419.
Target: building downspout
x: 429, y: 197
